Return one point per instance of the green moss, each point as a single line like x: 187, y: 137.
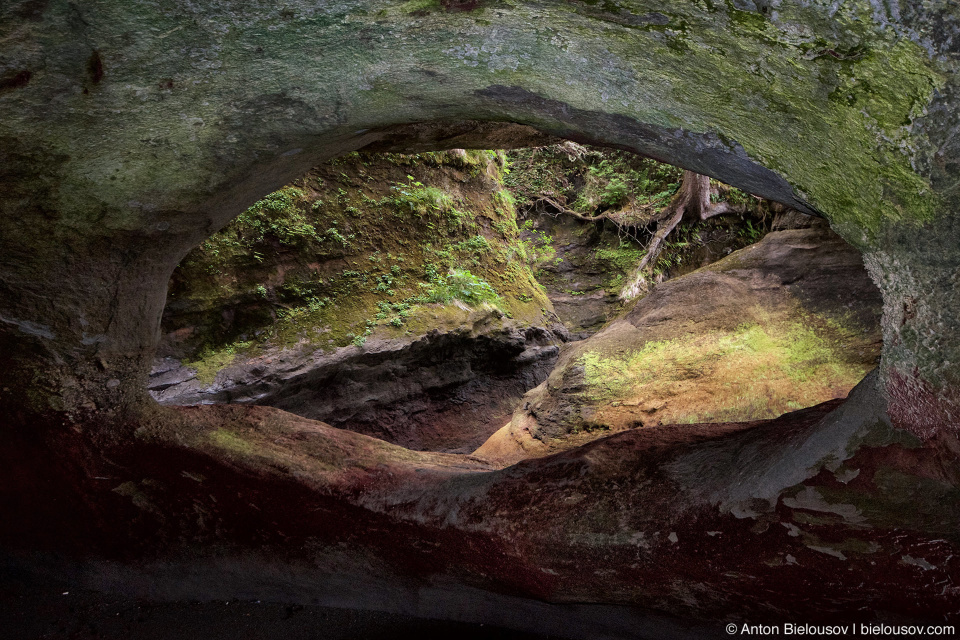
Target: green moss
x: 230, y: 442
x: 419, y: 6
x: 845, y: 98
x: 419, y: 232
x: 881, y: 109
x: 211, y: 361
x: 756, y: 371
x: 865, y: 126
x: 621, y: 257
x: 618, y: 258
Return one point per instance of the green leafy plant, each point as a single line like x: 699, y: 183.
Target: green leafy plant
x: 750, y: 232
x: 461, y: 284
x: 476, y: 244
x: 414, y: 196
x: 615, y: 193
x: 537, y: 248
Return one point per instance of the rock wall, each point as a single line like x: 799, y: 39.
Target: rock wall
x: 386, y: 294
x: 790, y: 322
x: 132, y: 131
x: 222, y: 105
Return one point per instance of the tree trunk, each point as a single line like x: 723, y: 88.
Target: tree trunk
x: 692, y: 201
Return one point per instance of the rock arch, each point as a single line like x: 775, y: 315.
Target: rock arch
x: 130, y: 131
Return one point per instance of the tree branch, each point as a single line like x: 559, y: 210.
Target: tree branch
x: 570, y: 212
x: 721, y: 208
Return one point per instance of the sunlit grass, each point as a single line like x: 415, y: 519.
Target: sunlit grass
x: 756, y: 371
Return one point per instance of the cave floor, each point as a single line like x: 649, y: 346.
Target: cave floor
x: 59, y: 610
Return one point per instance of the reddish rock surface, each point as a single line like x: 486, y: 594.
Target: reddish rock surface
x: 819, y: 516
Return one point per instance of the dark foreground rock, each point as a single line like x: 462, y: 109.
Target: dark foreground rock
x: 824, y: 515
x: 51, y: 607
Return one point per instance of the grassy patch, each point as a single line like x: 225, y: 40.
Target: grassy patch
x: 209, y: 362
x: 754, y: 372
x: 231, y: 442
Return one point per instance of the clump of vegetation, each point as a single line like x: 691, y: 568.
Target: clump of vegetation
x: 537, y: 246
x: 280, y: 215
x: 461, y: 285
x: 644, y: 200
x: 421, y: 199
x: 279, y: 218
x: 756, y: 371
x: 211, y: 360
x: 587, y: 181
x: 365, y: 243
x: 620, y: 256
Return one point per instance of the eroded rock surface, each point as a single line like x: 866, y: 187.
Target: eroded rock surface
x: 789, y: 322
x: 447, y: 390
x: 130, y: 132
x: 303, y: 513
x: 848, y: 111
x: 385, y: 294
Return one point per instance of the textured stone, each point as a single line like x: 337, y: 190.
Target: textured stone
x: 715, y: 345
x: 447, y: 390
x: 129, y: 131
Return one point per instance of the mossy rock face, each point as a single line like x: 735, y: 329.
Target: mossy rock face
x: 383, y: 293
x: 357, y: 247
x: 130, y: 132
x: 787, y: 323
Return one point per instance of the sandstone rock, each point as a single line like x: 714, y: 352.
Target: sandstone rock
x: 96, y: 217
x: 130, y: 132
x: 789, y: 322
x: 447, y: 390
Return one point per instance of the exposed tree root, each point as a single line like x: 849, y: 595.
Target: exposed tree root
x: 691, y: 202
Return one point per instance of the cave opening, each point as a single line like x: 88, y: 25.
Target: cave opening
x: 113, y: 171
x: 472, y: 301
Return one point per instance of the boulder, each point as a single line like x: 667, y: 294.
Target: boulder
x: 787, y: 323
